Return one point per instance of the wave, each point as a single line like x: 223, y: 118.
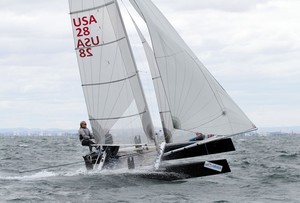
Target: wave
x: 293, y: 155
x: 75, y: 172
x: 38, y: 175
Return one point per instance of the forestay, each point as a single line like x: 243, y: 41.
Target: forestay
x: 115, y: 101
x: 197, y: 102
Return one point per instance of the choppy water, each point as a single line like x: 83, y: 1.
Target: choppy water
x: 264, y: 169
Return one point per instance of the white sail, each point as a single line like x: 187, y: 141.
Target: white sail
x: 196, y: 100
x: 111, y: 85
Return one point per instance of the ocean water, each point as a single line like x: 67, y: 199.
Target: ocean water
x: 264, y: 169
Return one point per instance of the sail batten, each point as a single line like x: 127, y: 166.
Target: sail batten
x: 121, y: 117
x: 103, y: 44
x: 114, y: 81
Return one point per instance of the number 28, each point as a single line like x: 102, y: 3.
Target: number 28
x: 85, y: 53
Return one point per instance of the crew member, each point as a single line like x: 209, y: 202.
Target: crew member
x: 85, y: 136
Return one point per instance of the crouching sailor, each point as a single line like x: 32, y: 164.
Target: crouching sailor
x: 85, y: 136
x: 200, y: 136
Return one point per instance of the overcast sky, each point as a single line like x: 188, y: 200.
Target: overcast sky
x: 252, y: 47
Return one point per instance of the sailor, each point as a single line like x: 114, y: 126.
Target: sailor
x: 85, y: 136
x: 199, y: 136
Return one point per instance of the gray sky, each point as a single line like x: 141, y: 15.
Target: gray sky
x: 252, y: 47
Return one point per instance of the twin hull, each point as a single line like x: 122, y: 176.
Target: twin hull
x: 172, y: 164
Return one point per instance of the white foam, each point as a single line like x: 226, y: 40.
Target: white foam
x: 74, y: 172
x: 39, y: 175
x: 23, y: 145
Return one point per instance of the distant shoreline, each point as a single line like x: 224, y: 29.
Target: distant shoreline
x: 263, y: 131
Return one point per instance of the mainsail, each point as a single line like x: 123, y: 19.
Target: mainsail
x: 115, y: 100
x: 196, y: 101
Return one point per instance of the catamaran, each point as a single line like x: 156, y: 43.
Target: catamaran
x: 189, y: 99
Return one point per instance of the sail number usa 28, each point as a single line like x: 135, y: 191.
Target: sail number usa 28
x: 84, y: 40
